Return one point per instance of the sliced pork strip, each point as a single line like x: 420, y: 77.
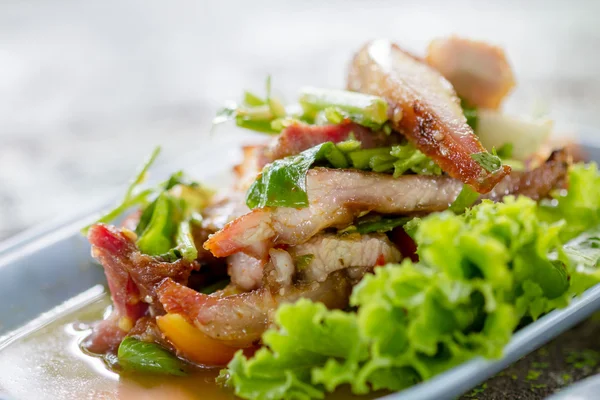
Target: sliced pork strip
x: 240, y: 320
x: 479, y: 72
x: 332, y: 252
x: 246, y: 272
x: 425, y: 109
x: 337, y: 196
x: 132, y: 278
x: 537, y: 183
x: 299, y: 137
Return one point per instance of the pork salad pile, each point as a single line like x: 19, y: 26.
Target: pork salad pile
x: 377, y: 236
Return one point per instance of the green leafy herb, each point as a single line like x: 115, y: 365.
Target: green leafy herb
x: 168, y: 212
x: 255, y: 113
x: 399, y: 159
x: 488, y: 161
x: 135, y: 355
x: 409, y: 158
x: 283, y: 182
x: 379, y: 224
x: 580, y: 205
x: 465, y: 199
x: 367, y: 110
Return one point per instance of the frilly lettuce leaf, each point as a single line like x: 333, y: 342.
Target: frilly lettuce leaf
x: 480, y: 275
x: 579, y: 206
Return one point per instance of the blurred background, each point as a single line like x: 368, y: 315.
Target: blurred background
x: 87, y: 89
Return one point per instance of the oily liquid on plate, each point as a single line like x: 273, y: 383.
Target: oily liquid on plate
x: 48, y: 364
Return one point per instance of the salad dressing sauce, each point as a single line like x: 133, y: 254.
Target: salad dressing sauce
x: 48, y: 364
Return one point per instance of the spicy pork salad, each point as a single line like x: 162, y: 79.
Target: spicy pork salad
x: 375, y: 236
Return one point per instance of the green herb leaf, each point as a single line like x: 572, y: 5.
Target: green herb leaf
x: 367, y: 110
x: 465, y: 199
x: 487, y: 161
x: 138, y: 356
x: 283, y: 182
x: 379, y: 224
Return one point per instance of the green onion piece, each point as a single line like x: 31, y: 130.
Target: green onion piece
x: 382, y: 163
x: 349, y: 145
x: 401, y: 166
x: 258, y: 113
x: 280, y: 124
x: 361, y: 159
x: 252, y: 100
x: 263, y: 126
x: 361, y: 108
x: 157, y: 237
x: 135, y: 355
x: 277, y: 108
x: 336, y: 158
x: 185, y: 241
x: 334, y: 115
x: 487, y: 161
x: 465, y: 199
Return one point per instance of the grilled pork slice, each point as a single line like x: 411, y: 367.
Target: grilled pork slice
x: 538, y: 182
x: 478, y: 71
x: 323, y: 254
x: 299, y: 137
x: 425, y: 109
x: 239, y: 320
x: 132, y: 278
x: 330, y: 252
x: 246, y: 272
x: 337, y: 196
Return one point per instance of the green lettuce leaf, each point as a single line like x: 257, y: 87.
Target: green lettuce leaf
x: 480, y: 275
x: 283, y: 182
x: 580, y: 205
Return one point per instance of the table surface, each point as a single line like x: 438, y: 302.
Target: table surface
x: 87, y: 89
